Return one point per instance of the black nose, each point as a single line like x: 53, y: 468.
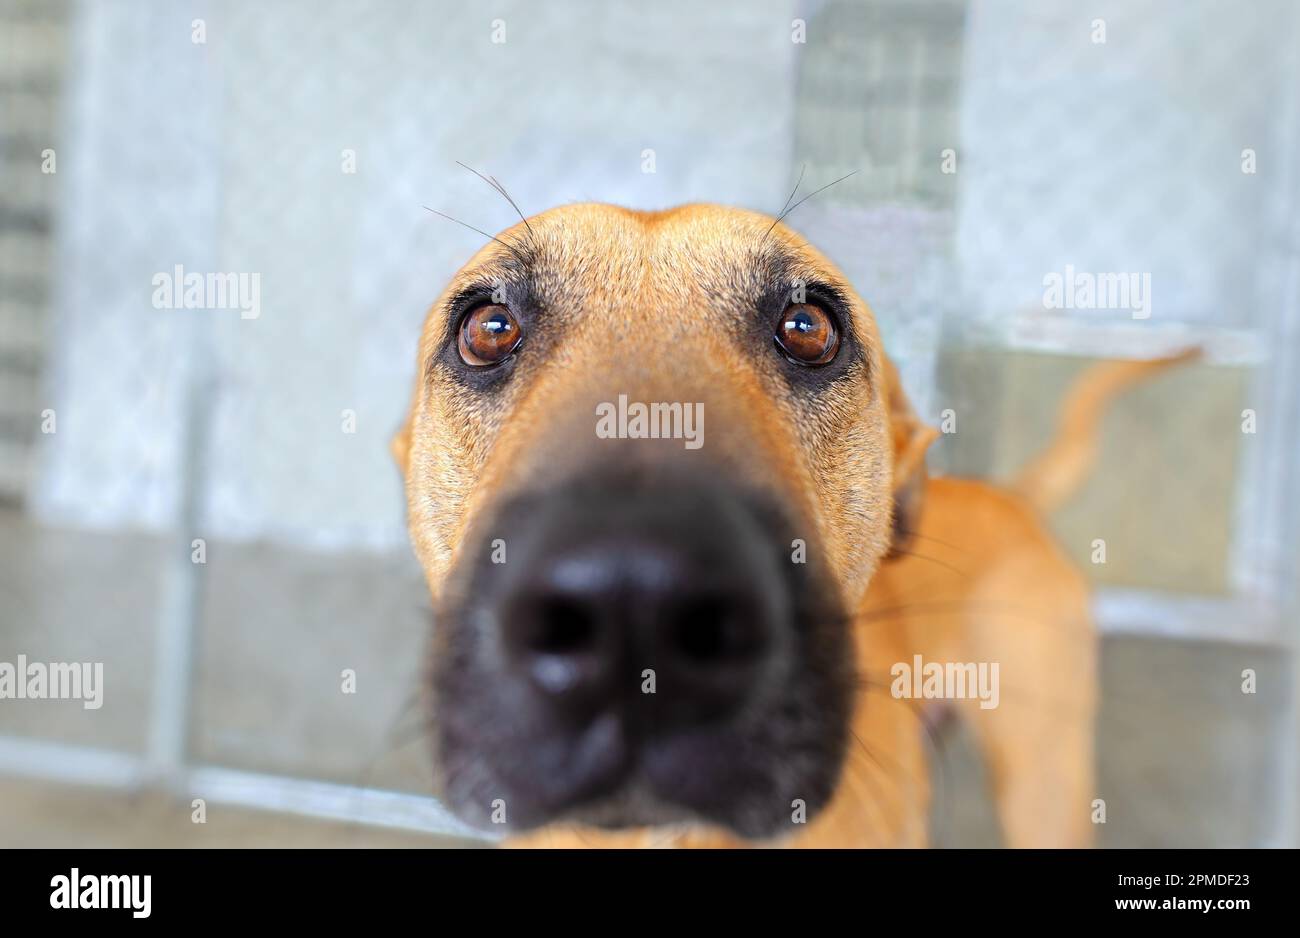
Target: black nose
x: 667, y: 605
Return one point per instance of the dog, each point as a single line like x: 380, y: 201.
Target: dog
x: 643, y: 642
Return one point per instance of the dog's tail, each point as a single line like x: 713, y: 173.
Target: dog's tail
x: 1052, y: 476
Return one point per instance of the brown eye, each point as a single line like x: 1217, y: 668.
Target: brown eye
x: 807, y: 334
x: 487, y: 335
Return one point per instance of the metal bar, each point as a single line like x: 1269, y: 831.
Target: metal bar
x: 75, y: 764
x: 170, y: 712
x: 370, y: 806
x: 69, y: 763
x: 1238, y: 619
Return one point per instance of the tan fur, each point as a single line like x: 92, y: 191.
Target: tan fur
x: 1050, y: 478
x: 979, y: 581
x: 634, y: 290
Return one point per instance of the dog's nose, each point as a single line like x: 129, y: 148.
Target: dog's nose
x: 668, y: 607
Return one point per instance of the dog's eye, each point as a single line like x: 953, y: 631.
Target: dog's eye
x: 807, y: 334
x: 487, y: 335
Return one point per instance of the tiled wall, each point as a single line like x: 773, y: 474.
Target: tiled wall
x: 33, y: 59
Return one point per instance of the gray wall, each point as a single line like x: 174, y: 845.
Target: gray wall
x: 226, y: 156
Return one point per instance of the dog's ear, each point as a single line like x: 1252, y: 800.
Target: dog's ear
x: 400, y: 446
x: 911, y: 438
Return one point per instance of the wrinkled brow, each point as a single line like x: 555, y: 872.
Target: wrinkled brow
x: 502, y: 270
x: 777, y: 270
x: 755, y: 274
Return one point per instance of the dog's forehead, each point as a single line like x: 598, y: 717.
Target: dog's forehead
x: 696, y: 246
x: 687, y: 240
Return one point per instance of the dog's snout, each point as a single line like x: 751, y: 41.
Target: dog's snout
x: 639, y: 650
x: 664, y: 607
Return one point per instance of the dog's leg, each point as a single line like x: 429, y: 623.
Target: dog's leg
x: 1038, y: 738
x: 1042, y: 777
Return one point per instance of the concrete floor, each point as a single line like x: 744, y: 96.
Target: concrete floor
x: 1186, y: 759
x: 34, y: 814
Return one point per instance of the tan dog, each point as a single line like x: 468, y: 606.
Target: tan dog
x: 647, y: 633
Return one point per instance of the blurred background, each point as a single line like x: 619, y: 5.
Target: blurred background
x: 995, y: 144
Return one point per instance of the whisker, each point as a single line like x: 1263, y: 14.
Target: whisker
x: 492, y: 181
x: 901, y: 552
x: 935, y: 540
x: 787, y: 211
x: 510, y: 247
x: 1014, y: 695
x: 941, y: 796
x: 399, y: 734
x: 797, y: 183
x: 954, y: 607
x: 419, y: 731
x: 877, y: 804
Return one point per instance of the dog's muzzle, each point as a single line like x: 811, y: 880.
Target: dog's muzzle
x: 623, y: 652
